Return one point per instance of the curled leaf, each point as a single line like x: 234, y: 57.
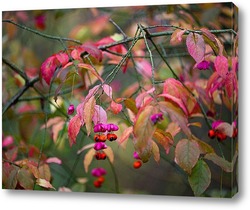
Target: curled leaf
x: 73, y: 129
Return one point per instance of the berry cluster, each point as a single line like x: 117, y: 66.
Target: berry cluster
x: 99, y: 174
x: 103, y: 132
x: 221, y: 136
x: 138, y: 162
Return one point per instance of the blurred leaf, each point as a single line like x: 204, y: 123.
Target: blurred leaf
x: 44, y: 183
x: 91, y: 69
x: 110, y: 154
x: 44, y: 172
x: 176, y: 37
x: 156, y: 152
x: 88, y: 159
x: 115, y: 107
x: 25, y: 179
x: 54, y: 160
x: 204, y: 147
x: 187, y: 154
x: 100, y: 115
x: 221, y: 162
x: 200, y: 178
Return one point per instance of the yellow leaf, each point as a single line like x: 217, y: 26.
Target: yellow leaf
x: 110, y: 154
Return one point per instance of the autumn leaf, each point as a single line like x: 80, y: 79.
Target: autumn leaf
x: 221, y: 162
x: 176, y: 37
x: 163, y: 138
x: 221, y: 66
x: 110, y: 154
x: 44, y: 172
x: 196, y: 46
x: 73, y: 129
x: 187, y: 153
x: 88, y: 159
x: 44, y: 183
x: 88, y: 113
x: 131, y: 105
x: 91, y: 69
x: 24, y: 178
x: 156, y: 152
x: 115, y: 107
x: 48, y: 68
x: 100, y: 115
x: 125, y: 136
x: 143, y: 132
x: 144, y: 68
x: 200, y: 178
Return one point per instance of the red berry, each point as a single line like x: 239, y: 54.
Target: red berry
x: 97, y: 184
x: 101, y: 179
x: 111, y: 137
x: 221, y: 136
x: 211, y: 134
x: 137, y: 164
x: 103, y: 156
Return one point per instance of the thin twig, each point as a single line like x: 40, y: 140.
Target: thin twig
x: 58, y: 38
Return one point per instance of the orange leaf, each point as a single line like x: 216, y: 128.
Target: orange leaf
x: 115, y: 107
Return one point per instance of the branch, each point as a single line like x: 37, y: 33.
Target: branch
x: 21, y: 91
x: 58, y: 38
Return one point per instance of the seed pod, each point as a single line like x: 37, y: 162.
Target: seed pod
x: 111, y: 137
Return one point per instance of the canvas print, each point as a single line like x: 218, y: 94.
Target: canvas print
x: 130, y: 100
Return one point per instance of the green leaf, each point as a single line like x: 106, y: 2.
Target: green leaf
x: 143, y: 132
x: 200, y: 178
x: 221, y: 162
x: 187, y: 153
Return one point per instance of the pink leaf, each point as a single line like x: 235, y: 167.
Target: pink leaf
x: 108, y: 90
x: 125, y: 135
x: 88, y: 113
x: 73, y: 129
x: 230, y: 84
x: 100, y: 115
x: 221, y: 66
x: 178, y: 101
x: 196, y: 46
x: 48, y: 68
x: 115, y: 107
x: 54, y: 160
x: 142, y: 97
x: 144, y: 68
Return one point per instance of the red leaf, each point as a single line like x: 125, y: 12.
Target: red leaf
x: 221, y: 66
x: 48, y: 68
x: 196, y: 46
x: 73, y: 129
x: 63, y: 58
